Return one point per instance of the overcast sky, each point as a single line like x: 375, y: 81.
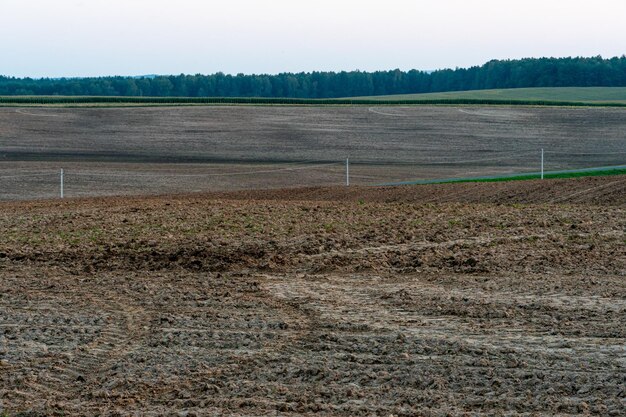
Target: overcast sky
x: 54, y: 38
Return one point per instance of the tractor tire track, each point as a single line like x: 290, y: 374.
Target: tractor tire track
x: 77, y: 373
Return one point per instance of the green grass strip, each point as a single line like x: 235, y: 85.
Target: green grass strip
x: 548, y: 176
x: 586, y: 172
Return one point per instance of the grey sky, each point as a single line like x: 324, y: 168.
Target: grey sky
x: 131, y: 37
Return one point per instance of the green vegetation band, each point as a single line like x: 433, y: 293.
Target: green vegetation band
x: 77, y: 100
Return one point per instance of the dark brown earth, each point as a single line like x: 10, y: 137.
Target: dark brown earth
x: 473, y: 299
x: 608, y: 190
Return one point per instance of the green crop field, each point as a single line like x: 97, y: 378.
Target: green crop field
x: 576, y: 173
x: 550, y: 175
x: 573, y: 94
x: 558, y: 96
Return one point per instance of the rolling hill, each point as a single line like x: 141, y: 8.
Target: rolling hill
x: 573, y: 94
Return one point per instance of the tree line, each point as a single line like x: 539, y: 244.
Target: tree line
x: 529, y: 72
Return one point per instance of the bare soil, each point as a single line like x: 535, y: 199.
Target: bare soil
x: 459, y: 299
x: 607, y: 190
x: 115, y: 151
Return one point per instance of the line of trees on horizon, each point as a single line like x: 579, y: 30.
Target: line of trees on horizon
x: 495, y: 74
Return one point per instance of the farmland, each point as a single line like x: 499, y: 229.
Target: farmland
x: 455, y: 299
x: 151, y: 150
x: 256, y: 283
x: 572, y: 94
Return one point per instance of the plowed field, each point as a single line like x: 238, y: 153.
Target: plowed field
x: 164, y: 150
x: 318, y: 302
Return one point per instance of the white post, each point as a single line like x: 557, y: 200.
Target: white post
x: 347, y: 172
x: 541, y: 163
x: 61, y: 182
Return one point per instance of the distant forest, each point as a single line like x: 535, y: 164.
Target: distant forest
x: 530, y: 72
